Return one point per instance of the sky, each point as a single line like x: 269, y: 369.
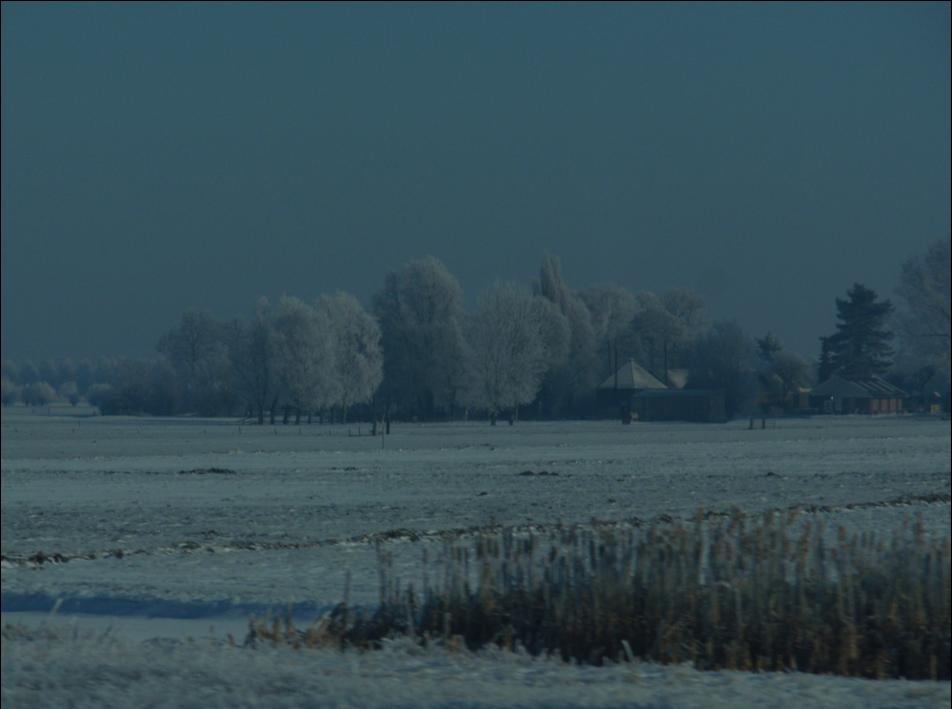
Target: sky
x: 164, y: 157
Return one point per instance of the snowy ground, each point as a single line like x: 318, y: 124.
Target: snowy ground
x: 148, y: 537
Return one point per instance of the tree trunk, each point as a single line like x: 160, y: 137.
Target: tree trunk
x: 287, y: 414
x: 297, y: 416
x: 666, y: 382
x: 492, y: 418
x: 261, y: 415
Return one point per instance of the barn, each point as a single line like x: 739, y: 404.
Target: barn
x: 857, y: 395
x: 635, y: 393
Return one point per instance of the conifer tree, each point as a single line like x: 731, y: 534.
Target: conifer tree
x: 861, y: 345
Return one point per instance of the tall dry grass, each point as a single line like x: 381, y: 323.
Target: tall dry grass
x: 772, y: 593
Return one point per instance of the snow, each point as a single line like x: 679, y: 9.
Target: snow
x: 172, y: 552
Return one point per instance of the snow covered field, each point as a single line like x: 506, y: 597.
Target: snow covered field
x: 208, y: 522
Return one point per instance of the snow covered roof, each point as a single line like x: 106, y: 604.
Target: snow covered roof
x: 860, y: 387
x: 632, y: 375
x: 678, y: 378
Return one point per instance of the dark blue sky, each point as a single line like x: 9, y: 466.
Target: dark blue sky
x: 161, y: 157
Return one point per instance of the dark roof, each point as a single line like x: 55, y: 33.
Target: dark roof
x: 858, y: 387
x: 632, y: 376
x: 678, y: 393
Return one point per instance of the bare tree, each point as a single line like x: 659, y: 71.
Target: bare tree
x: 507, y: 355
x: 612, y: 309
x: 924, y: 313
x: 573, y: 381
x: 663, y: 327
x: 251, y: 350
x: 196, y: 349
x: 358, y: 355
x: 725, y: 358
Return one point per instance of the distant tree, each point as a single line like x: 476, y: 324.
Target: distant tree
x: 568, y: 385
x: 197, y: 351
x: 162, y: 391
x: 724, y: 358
x: 612, y: 309
x: 66, y: 371
x: 924, y: 305
x: 420, y: 313
x: 10, y: 371
x: 85, y: 373
x: 253, y: 356
x: 664, y: 327
x: 9, y: 392
x: 358, y: 360
x: 792, y: 371
x: 38, y: 394
x: 825, y: 368
x: 767, y: 347
x: 861, y: 345
x: 304, y: 348
x: 28, y: 374
x: 105, y: 369
x: 507, y: 355
x: 103, y: 397
x: 68, y: 391
x: 49, y: 372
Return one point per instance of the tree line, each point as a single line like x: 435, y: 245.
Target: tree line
x: 536, y: 350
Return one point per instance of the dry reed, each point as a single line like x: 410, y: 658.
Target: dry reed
x: 772, y: 593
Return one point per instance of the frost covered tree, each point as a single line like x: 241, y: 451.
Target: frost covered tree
x: 304, y: 346
x: 68, y: 391
x: 612, y: 309
x: 38, y: 394
x: 923, y: 315
x: 507, y: 352
x: 420, y: 313
x: 358, y: 354
x: 251, y: 351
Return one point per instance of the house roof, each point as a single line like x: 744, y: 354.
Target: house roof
x: 678, y: 378
x: 860, y: 388
x: 632, y: 375
x: 679, y: 393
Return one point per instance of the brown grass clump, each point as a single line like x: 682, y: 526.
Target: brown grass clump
x: 767, y: 594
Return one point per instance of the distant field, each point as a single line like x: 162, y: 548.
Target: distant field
x: 205, y: 518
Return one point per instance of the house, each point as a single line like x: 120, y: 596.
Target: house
x: 857, y: 395
x: 635, y: 393
x: 701, y: 405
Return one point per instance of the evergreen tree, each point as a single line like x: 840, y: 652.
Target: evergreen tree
x: 861, y: 345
